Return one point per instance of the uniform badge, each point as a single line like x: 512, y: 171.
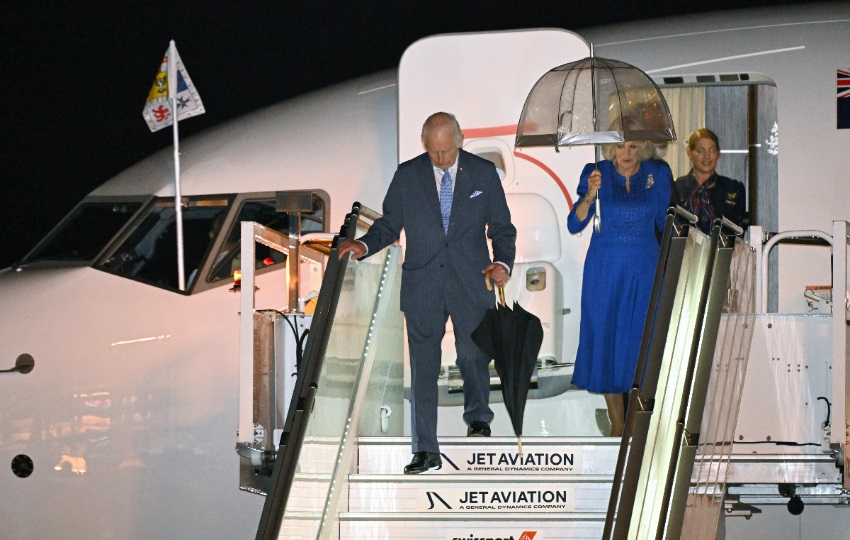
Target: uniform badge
x: 650, y: 181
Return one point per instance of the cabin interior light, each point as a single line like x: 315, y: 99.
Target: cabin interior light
x: 237, y: 280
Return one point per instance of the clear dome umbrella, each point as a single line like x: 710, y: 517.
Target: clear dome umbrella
x: 594, y: 101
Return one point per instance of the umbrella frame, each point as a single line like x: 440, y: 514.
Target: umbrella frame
x: 615, y: 136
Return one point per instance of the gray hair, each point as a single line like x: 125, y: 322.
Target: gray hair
x: 646, y: 150
x: 442, y: 119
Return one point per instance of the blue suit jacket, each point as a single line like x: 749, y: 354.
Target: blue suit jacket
x: 479, y: 210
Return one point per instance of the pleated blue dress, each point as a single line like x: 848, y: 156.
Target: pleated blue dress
x: 618, y: 272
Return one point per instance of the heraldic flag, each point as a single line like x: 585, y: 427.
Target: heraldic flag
x: 157, y: 111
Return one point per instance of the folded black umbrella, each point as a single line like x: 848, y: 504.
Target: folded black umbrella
x: 512, y: 338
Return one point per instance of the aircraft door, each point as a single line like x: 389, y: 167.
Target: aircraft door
x: 483, y: 79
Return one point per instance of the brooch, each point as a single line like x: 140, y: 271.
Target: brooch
x: 650, y: 181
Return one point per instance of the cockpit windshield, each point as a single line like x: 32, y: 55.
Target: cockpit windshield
x: 149, y: 251
x: 138, y: 239
x: 84, y: 233
x: 211, y: 235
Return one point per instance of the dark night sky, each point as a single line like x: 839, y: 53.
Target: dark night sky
x: 76, y: 77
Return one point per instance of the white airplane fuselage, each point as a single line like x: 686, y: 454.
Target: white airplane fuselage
x: 138, y: 385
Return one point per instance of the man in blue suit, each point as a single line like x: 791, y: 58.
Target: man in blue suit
x: 448, y: 202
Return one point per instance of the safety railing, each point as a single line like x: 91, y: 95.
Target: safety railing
x: 837, y: 242
x: 356, y: 332
x: 664, y: 420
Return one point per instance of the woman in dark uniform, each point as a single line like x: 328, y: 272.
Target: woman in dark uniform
x: 704, y: 192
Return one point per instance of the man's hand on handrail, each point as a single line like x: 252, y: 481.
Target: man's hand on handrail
x: 356, y: 247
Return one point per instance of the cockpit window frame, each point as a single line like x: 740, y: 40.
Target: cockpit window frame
x: 234, y: 204
x: 119, y: 239
x: 144, y: 203
x: 202, y: 284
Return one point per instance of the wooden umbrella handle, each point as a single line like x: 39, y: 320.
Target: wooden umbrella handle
x: 489, y: 284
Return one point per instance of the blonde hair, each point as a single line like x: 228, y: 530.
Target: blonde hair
x: 646, y: 150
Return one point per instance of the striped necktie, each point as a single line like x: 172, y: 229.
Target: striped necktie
x: 446, y: 198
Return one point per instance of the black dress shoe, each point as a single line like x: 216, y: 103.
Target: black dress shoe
x: 422, y: 461
x: 478, y: 429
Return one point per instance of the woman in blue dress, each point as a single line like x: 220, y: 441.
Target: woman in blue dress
x: 619, y: 269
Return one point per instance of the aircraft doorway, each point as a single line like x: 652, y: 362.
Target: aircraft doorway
x: 741, y: 109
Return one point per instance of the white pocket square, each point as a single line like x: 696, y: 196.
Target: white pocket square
x: 475, y: 194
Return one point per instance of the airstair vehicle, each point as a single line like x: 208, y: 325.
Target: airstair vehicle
x: 698, y: 451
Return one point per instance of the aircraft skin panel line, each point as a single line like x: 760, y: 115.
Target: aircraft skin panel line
x: 726, y: 58
x: 706, y: 32
x: 384, y: 87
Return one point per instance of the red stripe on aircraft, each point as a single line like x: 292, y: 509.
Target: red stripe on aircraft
x: 551, y: 173
x: 495, y: 131
x: 500, y: 131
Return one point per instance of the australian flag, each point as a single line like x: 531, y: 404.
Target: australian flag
x: 843, y: 108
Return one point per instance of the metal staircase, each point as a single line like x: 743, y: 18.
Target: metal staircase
x: 338, y: 468
x: 558, y: 488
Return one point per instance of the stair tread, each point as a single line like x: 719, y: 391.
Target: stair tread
x: 491, y: 441
x: 471, y: 516
x: 475, y: 478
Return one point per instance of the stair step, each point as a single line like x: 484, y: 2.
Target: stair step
x: 308, y: 494
x: 455, y: 517
x: 448, y: 526
x: 481, y: 494
x: 497, y: 455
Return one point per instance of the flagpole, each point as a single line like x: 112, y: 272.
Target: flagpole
x: 178, y: 203
x: 172, y: 83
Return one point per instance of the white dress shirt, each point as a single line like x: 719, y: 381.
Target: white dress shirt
x: 438, y: 176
